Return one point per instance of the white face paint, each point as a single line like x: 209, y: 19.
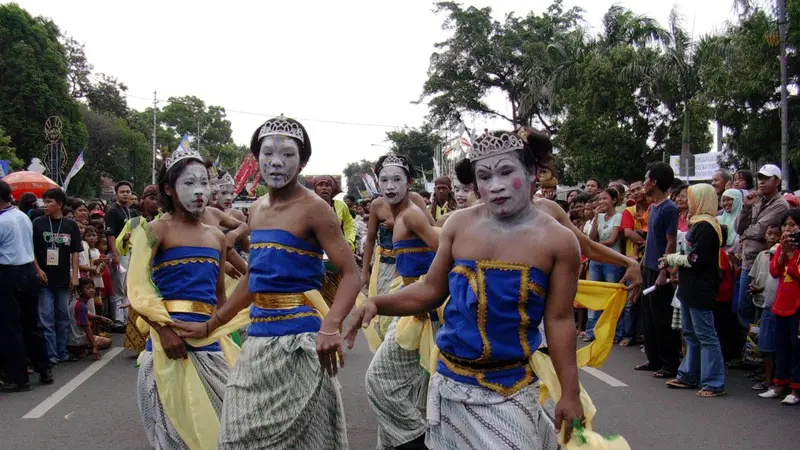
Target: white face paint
x: 279, y: 160
x: 461, y: 192
x: 193, y: 188
x: 504, y: 184
x: 226, y: 195
x: 393, y: 183
x: 214, y: 191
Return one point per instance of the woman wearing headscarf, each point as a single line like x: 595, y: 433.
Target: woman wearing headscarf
x: 698, y: 270
x: 731, y: 207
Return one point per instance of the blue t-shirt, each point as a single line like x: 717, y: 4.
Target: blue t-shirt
x: 662, y: 220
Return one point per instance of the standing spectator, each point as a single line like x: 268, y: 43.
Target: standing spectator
x: 605, y: 230
x: 115, y: 218
x: 681, y: 198
x: 443, y: 201
x: 731, y: 207
x: 721, y: 180
x: 634, y: 228
x: 56, y: 244
x: 743, y: 180
x: 703, y: 365
x: 81, y: 211
x: 764, y: 288
x: 592, y: 186
x: 27, y: 203
x: 785, y: 266
x: 762, y: 208
x: 662, y: 344
x: 20, y: 336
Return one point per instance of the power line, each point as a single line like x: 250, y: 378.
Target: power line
x: 306, y: 119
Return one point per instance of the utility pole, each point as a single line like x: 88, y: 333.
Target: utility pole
x: 154, y: 137
x: 784, y: 97
x: 198, y: 136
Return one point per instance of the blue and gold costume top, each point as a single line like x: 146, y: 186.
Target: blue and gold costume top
x: 491, y: 324
x: 385, y: 243
x: 283, y: 267
x: 414, y: 258
x: 186, y: 279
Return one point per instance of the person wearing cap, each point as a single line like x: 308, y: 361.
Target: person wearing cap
x: 443, y: 201
x: 548, y: 185
x: 326, y: 187
x: 763, y: 207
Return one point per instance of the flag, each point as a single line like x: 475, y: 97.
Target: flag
x: 252, y: 190
x: 248, y: 168
x: 76, y: 167
x: 424, y: 178
x: 436, y: 171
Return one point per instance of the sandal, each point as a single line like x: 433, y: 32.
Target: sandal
x: 645, y: 366
x: 676, y: 383
x: 707, y: 393
x: 663, y: 373
x: 625, y: 342
x: 587, y: 339
x: 760, y: 386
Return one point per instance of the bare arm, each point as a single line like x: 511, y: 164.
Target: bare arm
x: 633, y: 236
x: 613, y: 238
x: 236, y: 260
x: 244, y: 241
x: 419, y: 201
x: 75, y: 269
x: 236, y: 228
x: 329, y: 234
x: 417, y: 223
x: 240, y: 299
x: 369, y: 245
x: 221, y: 296
x: 593, y: 235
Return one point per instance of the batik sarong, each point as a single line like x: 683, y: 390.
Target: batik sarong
x: 279, y: 398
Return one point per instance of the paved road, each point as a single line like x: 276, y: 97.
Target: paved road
x: 101, y: 412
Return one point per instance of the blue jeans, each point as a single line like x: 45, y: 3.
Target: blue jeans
x: 610, y: 274
x: 54, y: 321
x: 746, y: 310
x: 703, y: 364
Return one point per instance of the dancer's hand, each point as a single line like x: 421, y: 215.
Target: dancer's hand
x: 190, y: 330
x: 360, y: 317
x: 365, y: 275
x: 632, y: 281
x: 173, y: 346
x: 231, y: 271
x: 329, y: 349
x: 567, y: 410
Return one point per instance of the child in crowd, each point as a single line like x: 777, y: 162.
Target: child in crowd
x: 784, y: 267
x: 81, y: 338
x: 97, y: 264
x: 764, y: 288
x: 107, y: 289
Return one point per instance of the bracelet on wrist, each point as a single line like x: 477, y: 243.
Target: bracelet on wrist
x: 331, y: 333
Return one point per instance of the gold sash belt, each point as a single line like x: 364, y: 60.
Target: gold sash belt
x: 409, y: 280
x: 386, y: 252
x: 279, y: 301
x: 188, y: 306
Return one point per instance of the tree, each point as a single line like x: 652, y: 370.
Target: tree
x: 484, y: 56
x: 108, y: 96
x: 352, y: 172
x: 79, y: 69
x: 7, y: 152
x: 33, y: 83
x: 418, y: 145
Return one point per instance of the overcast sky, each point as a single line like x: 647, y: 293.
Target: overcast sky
x: 346, y: 61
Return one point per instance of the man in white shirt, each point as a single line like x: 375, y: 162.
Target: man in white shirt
x: 19, y: 305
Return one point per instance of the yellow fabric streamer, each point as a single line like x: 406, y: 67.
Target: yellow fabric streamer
x: 380, y: 324
x: 415, y: 333
x: 180, y: 388
x: 610, y: 298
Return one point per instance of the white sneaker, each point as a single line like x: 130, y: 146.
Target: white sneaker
x: 770, y: 393
x: 790, y: 399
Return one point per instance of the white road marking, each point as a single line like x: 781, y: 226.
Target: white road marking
x: 51, y: 401
x: 604, y: 377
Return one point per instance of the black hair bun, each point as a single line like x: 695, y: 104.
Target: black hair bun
x: 464, y: 172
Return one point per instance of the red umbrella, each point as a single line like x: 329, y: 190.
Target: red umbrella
x: 26, y: 181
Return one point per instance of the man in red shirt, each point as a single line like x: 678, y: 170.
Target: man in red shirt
x: 634, y: 228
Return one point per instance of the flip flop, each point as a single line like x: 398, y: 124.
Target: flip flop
x: 625, y: 342
x: 705, y: 393
x: 663, y: 374
x: 645, y: 366
x: 678, y: 384
x: 791, y: 400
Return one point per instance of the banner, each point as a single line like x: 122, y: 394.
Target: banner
x: 248, y: 168
x: 76, y: 167
x: 436, y: 171
x: 5, y: 168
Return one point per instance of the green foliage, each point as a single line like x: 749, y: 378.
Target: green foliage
x: 352, y: 172
x: 7, y: 152
x: 419, y: 145
x: 33, y: 83
x: 108, y: 96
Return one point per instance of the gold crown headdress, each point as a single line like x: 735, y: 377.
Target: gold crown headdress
x: 182, y: 152
x: 393, y: 160
x: 491, y: 145
x: 226, y: 180
x: 279, y: 126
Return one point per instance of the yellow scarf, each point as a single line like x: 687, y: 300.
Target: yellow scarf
x: 703, y: 204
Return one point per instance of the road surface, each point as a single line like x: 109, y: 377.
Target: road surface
x: 92, y: 405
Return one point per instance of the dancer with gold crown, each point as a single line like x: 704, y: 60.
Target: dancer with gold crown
x: 395, y: 380
x: 283, y: 393
x: 498, y: 261
x: 174, y: 275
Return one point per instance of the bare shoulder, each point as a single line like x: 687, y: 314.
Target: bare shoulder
x: 559, y: 237
x: 217, y: 234
x: 460, y: 219
x: 236, y: 214
x: 158, y: 227
x: 551, y: 208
